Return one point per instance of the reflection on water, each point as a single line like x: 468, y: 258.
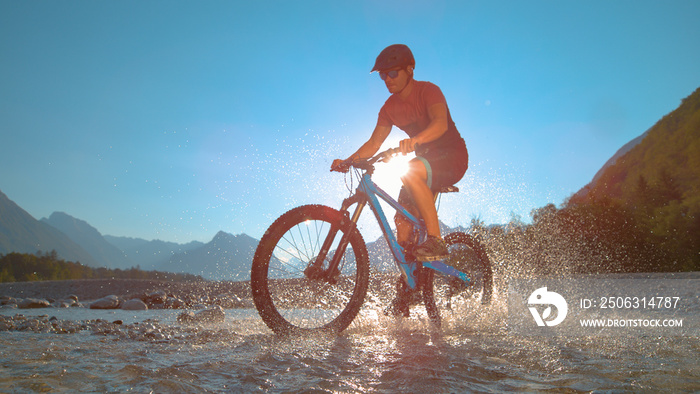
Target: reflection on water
x: 473, y: 352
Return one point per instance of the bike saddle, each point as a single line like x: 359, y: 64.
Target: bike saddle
x: 449, y: 189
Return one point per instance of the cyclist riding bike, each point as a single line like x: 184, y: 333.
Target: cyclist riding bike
x: 311, y: 268
x: 419, y: 108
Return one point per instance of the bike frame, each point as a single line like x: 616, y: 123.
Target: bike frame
x: 369, y: 193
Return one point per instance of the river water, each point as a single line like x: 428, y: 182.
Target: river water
x: 474, y: 351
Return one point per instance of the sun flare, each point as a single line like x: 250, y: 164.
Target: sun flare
x: 388, y: 175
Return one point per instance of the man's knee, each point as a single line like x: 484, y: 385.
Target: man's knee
x: 400, y: 220
x: 417, y: 172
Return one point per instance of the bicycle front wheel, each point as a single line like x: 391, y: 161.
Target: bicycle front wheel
x: 288, y: 301
x: 468, y: 255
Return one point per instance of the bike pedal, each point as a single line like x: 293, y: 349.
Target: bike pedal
x: 313, y: 272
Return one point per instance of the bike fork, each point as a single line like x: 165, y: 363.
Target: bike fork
x: 315, y: 270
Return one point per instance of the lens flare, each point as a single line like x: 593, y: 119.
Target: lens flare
x: 388, y: 175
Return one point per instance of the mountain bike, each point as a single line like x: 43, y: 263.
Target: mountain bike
x: 311, y: 269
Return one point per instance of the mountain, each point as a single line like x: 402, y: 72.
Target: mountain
x: 666, y: 159
x: 646, y: 205
x: 150, y: 254
x: 620, y: 152
x: 90, y: 239
x: 22, y: 233
x: 225, y: 257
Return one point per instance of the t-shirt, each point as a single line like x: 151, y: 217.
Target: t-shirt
x: 412, y: 116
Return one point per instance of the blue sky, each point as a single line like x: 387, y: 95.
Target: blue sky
x: 173, y: 120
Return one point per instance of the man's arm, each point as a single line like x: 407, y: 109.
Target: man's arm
x: 435, y: 130
x: 367, y: 149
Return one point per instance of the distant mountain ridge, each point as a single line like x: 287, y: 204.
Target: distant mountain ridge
x: 22, y: 233
x: 148, y: 255
x: 225, y: 257
x: 89, y: 239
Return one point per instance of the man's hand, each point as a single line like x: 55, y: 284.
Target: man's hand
x: 407, y: 146
x: 340, y: 165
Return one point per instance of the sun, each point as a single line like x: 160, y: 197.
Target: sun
x: 388, y: 175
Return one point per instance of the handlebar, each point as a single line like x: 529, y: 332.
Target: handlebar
x: 368, y: 163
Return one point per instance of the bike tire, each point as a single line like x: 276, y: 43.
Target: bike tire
x: 289, y: 302
x: 468, y: 255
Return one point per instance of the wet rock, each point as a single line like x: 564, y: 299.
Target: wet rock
x: 230, y: 301
x: 67, y: 303
x: 30, y: 303
x: 134, y: 305
x: 186, y: 318
x: 6, y: 300
x: 103, y: 327
x: 156, y: 298
x: 109, y: 302
x: 6, y: 323
x: 174, y: 303
x: 162, y: 300
x: 214, y: 314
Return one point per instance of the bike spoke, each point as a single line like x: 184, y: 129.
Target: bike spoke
x: 289, y: 299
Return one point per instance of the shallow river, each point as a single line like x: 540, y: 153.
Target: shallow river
x: 473, y: 352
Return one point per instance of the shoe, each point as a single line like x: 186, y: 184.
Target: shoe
x: 398, y: 308
x: 432, y: 249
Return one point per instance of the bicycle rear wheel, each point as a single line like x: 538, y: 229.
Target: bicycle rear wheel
x: 469, y: 256
x: 288, y: 301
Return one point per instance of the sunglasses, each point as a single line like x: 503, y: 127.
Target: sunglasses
x: 391, y: 74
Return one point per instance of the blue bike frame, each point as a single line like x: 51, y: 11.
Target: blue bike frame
x: 369, y: 192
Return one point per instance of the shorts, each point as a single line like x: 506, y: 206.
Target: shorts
x: 445, y: 168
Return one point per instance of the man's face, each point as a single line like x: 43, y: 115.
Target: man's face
x: 395, y: 79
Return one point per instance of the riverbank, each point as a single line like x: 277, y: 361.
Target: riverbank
x: 93, y: 289
x: 207, y: 298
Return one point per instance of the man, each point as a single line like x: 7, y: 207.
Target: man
x: 419, y: 108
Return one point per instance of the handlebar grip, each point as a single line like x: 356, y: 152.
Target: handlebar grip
x: 343, y: 166
x: 389, y: 153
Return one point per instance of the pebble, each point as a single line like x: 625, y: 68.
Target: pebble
x: 200, y: 327
x: 134, y: 305
x: 154, y: 300
x: 149, y: 330
x: 214, y: 314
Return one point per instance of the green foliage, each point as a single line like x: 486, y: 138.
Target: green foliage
x: 667, y: 162
x: 22, y: 267
x: 604, y: 237
x: 642, y: 215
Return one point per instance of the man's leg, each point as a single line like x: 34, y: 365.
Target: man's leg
x: 416, y: 182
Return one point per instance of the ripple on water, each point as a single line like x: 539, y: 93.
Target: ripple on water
x: 377, y: 354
